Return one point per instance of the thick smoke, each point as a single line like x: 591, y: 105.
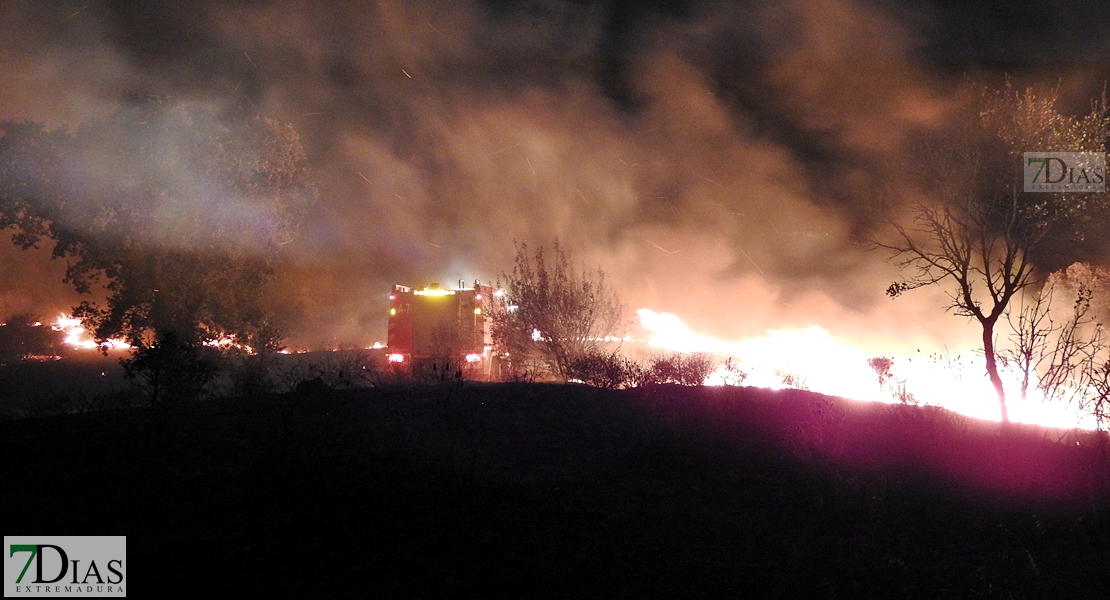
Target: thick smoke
x: 719, y: 160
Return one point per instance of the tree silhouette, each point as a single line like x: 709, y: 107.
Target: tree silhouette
x: 979, y: 232
x: 551, y: 314
x: 178, y: 209
x: 1066, y: 357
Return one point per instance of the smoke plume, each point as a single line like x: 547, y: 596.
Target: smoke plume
x: 719, y: 160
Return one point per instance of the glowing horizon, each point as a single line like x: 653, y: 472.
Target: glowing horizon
x: 820, y: 362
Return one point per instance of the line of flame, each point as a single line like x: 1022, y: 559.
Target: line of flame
x: 813, y: 358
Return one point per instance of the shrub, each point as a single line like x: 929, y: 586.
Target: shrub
x: 731, y: 374
x: 607, y: 370
x: 792, y: 380
x: 690, y: 368
x: 172, y: 369
x: 550, y: 315
x: 249, y: 375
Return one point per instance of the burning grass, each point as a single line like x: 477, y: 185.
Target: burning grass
x: 529, y: 490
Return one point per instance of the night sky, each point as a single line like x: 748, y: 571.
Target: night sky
x: 720, y: 160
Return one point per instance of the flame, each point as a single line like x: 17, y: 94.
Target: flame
x: 226, y: 342
x: 813, y: 359
x: 78, y: 338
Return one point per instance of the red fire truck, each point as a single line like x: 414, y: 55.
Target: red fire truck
x: 435, y: 323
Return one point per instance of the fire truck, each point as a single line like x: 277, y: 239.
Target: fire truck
x: 434, y: 323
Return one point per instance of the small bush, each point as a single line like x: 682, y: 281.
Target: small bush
x: 882, y: 366
x: 249, y: 375
x: 607, y: 370
x: 172, y: 369
x: 731, y: 374
x: 792, y: 380
x: 902, y: 395
x: 690, y: 368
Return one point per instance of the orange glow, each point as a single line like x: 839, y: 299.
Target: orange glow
x: 227, y: 342
x: 77, y: 337
x: 473, y: 358
x: 812, y: 358
x: 396, y: 358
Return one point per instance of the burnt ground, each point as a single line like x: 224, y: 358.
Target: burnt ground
x: 545, y: 491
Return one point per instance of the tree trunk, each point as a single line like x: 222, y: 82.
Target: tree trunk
x: 992, y: 367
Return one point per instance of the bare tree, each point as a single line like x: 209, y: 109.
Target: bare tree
x: 979, y: 232
x: 954, y: 242
x: 1068, y: 358
x: 1048, y: 353
x: 551, y: 312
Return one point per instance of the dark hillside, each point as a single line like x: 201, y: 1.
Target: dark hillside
x: 79, y: 382
x: 541, y: 491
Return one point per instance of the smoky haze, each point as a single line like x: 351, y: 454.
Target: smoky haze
x: 719, y: 160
